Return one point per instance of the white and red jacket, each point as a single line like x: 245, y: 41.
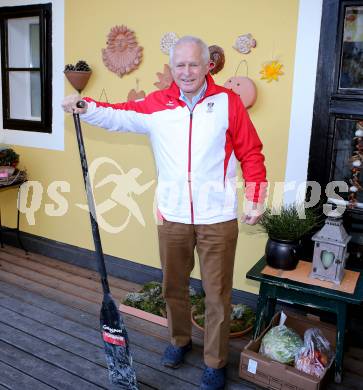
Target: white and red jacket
x: 195, y: 152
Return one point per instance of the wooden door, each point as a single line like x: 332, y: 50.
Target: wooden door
x: 336, y: 152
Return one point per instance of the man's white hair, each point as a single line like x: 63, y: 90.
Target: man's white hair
x: 190, y: 39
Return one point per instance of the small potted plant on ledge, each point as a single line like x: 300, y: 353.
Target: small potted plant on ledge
x: 149, y: 303
x: 78, y: 75
x: 9, y: 159
x: 285, y: 229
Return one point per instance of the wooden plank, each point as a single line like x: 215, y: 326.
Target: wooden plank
x: 51, y: 282
x: 139, y: 342
x: 50, y: 373
x: 42, y: 370
x: 79, y: 303
x: 88, y: 351
x: 350, y: 382
x: 81, y: 293
x: 39, y: 302
x: 84, y: 281
x: 11, y: 378
x: 161, y: 339
x: 91, y: 353
x: 137, y: 338
x: 61, y: 265
x: 81, y: 331
x: 50, y: 292
x: 34, y: 299
x: 64, y: 318
x: 73, y: 278
x: 353, y: 365
x: 93, y: 373
x: 142, y: 386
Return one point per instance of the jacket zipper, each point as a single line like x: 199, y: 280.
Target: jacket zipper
x: 190, y: 167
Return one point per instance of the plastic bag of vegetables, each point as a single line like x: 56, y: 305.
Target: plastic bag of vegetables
x: 316, y: 353
x: 281, y: 343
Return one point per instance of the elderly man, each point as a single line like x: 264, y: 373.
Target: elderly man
x: 197, y: 131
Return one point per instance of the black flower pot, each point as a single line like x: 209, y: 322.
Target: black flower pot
x: 282, y: 254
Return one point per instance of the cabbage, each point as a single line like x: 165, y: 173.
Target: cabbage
x: 281, y: 344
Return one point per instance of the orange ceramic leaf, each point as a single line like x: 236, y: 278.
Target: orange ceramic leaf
x: 165, y: 78
x: 135, y: 95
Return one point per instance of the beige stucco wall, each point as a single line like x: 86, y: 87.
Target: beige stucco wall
x: 87, y: 23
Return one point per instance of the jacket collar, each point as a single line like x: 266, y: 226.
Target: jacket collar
x: 174, y: 91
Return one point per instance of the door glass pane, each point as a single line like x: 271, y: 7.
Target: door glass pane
x: 347, y: 159
x: 25, y: 95
x: 348, y: 166
x: 351, y: 70
x: 24, y: 42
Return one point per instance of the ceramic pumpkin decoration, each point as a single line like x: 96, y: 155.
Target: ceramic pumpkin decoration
x: 244, y: 87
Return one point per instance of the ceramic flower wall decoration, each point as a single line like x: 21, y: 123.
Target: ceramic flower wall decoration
x: 217, y: 58
x: 168, y: 40
x: 244, y: 43
x: 165, y: 78
x: 122, y: 54
x: 271, y: 71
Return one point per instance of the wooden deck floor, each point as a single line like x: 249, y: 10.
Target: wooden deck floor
x: 49, y: 337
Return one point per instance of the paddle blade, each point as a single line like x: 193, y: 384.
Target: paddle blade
x: 116, y: 342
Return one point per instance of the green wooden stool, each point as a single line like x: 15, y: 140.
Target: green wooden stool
x: 273, y: 288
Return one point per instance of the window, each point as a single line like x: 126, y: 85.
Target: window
x: 26, y: 67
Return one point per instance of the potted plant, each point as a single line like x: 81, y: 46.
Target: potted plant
x: 285, y: 229
x: 78, y: 75
x: 149, y: 303
x: 242, y: 318
x: 9, y: 159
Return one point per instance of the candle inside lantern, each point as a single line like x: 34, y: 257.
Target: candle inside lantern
x: 327, y: 258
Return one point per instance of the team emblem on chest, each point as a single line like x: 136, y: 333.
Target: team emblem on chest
x: 210, y: 106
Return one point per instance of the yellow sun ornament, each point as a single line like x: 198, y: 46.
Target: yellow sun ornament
x: 271, y: 71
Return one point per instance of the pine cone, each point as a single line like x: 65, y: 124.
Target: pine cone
x: 69, y: 67
x: 82, y: 66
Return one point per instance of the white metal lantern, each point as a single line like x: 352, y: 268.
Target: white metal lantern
x: 330, y: 251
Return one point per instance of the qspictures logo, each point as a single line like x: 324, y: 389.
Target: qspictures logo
x: 121, y: 189
x: 125, y: 188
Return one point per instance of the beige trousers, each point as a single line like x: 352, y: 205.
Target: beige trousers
x: 216, y: 246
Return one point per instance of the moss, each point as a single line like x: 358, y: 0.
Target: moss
x: 150, y: 299
x: 242, y: 316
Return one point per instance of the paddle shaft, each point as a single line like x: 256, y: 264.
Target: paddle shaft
x: 91, y: 204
